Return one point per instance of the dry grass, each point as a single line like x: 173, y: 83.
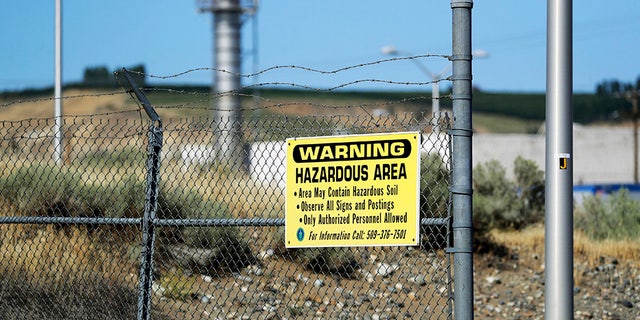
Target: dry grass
x: 586, y: 251
x: 52, y: 255
x: 530, y: 238
x: 51, y: 272
x: 624, y: 250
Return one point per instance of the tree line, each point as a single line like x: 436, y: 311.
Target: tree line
x: 616, y: 96
x: 615, y: 88
x: 100, y: 76
x: 609, y: 102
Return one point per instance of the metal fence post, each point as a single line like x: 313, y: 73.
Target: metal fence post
x: 148, y: 220
x: 151, y: 202
x: 461, y: 187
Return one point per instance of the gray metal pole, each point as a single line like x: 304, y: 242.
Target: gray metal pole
x: 57, y: 130
x: 435, y: 102
x: 256, y: 56
x: 633, y: 96
x: 227, y: 60
x: 461, y: 187
x: 559, y: 163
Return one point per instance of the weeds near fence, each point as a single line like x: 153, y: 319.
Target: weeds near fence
x: 62, y: 302
x: 434, y: 201
x: 50, y: 273
x: 71, y: 192
x: 79, y: 192
x: 616, y: 217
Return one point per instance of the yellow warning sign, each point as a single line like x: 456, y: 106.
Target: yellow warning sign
x: 357, y: 190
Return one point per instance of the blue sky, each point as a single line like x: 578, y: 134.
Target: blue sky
x: 171, y: 36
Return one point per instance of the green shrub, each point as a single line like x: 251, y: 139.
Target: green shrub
x: 504, y: 204
x: 55, y: 191
x: 493, y: 197
x: 221, y: 248
x: 191, y: 205
x: 529, y: 180
x: 434, y: 201
x: 614, y: 217
x: 179, y: 287
x: 434, y: 186
x: 62, y: 192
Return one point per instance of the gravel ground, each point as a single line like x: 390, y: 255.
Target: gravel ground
x: 511, y: 286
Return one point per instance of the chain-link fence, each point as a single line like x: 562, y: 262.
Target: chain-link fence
x: 141, y: 219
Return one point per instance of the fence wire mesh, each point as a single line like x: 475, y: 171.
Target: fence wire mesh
x: 67, y: 229
x: 73, y: 234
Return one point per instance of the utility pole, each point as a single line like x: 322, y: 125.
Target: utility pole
x: 632, y: 96
x: 558, y: 240
x: 57, y: 95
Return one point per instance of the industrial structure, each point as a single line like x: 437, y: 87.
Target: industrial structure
x: 227, y: 60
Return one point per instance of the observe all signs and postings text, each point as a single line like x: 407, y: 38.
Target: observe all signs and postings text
x: 356, y: 190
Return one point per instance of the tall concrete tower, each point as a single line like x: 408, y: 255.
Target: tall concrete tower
x: 227, y: 22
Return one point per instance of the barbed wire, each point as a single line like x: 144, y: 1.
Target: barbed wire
x: 303, y: 68
x: 289, y: 84
x: 264, y: 103
x: 206, y: 104
x: 200, y: 103
x: 340, y: 86
x: 273, y: 104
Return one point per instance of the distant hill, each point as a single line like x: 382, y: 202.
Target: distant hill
x: 493, y: 112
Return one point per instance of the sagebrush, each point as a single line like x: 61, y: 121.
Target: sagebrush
x: 500, y: 203
x: 616, y: 216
